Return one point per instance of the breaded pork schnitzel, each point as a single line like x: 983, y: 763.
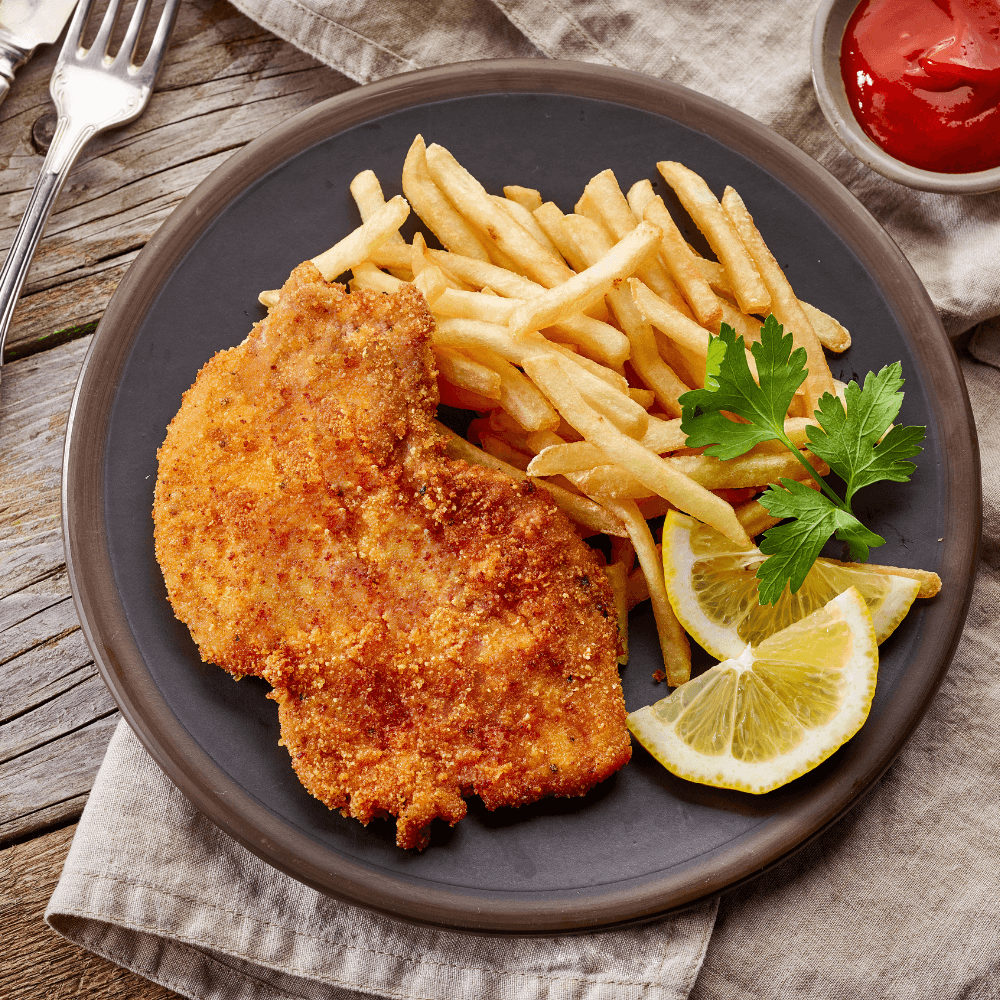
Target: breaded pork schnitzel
x: 430, y: 629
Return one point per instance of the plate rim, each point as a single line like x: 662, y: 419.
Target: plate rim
x: 251, y: 823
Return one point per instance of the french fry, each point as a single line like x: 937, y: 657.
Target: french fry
x: 605, y: 198
x: 784, y: 304
x: 358, y: 245
x: 463, y: 399
x: 681, y: 264
x: 640, y: 194
x: 550, y: 218
x: 708, y: 215
x: 611, y: 378
x: 524, y: 218
x: 369, y: 277
x: 673, y: 640
x: 269, y: 298
x: 689, y: 366
x: 594, y: 244
x: 623, y: 552
x: 571, y: 296
x: 564, y: 458
x: 664, y: 435
x: 618, y: 578
x: 610, y: 482
x: 644, y: 397
x: 528, y: 197
x: 747, y: 327
x: 746, y: 470
x: 677, y: 327
x: 646, y: 359
x: 434, y: 209
x: 498, y: 447
x: 647, y: 467
x: 598, y: 339
x: 430, y: 281
x: 831, y: 334
x: 930, y: 583
x: 579, y: 509
x: 503, y: 424
x: 522, y: 400
x: 467, y: 374
x: 367, y: 194
x: 512, y: 239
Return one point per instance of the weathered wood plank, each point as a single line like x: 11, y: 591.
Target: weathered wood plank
x: 42, y: 820
x: 35, y: 396
x: 35, y: 961
x: 76, y: 707
x: 44, y: 672
x: 224, y: 82
x: 53, y: 773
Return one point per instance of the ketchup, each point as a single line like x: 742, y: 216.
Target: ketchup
x: 923, y: 80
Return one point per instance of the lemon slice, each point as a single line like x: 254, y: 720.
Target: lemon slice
x: 756, y: 722
x: 713, y: 589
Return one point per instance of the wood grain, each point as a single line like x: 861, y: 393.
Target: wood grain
x: 34, y: 960
x: 224, y: 82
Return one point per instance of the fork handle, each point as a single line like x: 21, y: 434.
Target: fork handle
x: 62, y: 155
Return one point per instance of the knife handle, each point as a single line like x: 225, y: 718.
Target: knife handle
x: 10, y: 58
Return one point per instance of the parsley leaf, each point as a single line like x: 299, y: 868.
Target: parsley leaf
x: 734, y: 412
x: 847, y: 438
x: 731, y: 387
x: 793, y: 547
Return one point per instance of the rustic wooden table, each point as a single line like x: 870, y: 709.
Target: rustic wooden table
x: 225, y: 81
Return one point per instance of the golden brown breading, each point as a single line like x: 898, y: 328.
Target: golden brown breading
x: 430, y: 629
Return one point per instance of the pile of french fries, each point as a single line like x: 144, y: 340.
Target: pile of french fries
x: 573, y: 337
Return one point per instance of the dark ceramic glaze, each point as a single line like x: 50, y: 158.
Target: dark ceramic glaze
x: 643, y: 843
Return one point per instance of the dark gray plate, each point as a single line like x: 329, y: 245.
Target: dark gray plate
x: 643, y: 843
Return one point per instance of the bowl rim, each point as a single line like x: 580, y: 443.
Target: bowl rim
x: 828, y: 33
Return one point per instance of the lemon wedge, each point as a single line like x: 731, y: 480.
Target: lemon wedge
x: 777, y: 710
x: 712, y: 586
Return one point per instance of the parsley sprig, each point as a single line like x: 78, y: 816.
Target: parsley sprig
x: 852, y: 439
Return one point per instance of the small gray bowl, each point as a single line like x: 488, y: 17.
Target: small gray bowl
x: 828, y: 35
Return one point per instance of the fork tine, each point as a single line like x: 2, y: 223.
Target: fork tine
x: 158, y: 46
x: 131, y: 39
x: 74, y: 33
x: 103, y: 38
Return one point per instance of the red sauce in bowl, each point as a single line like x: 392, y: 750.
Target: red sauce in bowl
x: 923, y: 80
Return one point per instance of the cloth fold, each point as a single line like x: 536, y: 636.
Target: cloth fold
x: 153, y: 885
x: 898, y: 900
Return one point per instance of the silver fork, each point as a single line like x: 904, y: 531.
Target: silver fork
x: 92, y: 92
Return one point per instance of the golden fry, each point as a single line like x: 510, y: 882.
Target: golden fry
x: 673, y: 640
x: 434, y: 209
x: 647, y: 467
x: 784, y: 304
x: 708, y: 215
x: 528, y: 197
x: 508, y: 236
x: 573, y: 295
x: 356, y: 246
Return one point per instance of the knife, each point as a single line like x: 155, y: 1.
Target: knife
x: 23, y: 25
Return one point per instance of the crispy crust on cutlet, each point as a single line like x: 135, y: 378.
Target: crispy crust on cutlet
x: 430, y: 630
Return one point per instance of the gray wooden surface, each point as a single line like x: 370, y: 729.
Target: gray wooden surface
x: 225, y: 81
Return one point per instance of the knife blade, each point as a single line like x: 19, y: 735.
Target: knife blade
x: 23, y: 25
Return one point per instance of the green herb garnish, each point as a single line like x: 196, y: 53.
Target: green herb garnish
x: 852, y: 440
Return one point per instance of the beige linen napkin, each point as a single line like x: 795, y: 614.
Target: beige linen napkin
x: 898, y: 900
x: 153, y: 885
x: 753, y: 56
